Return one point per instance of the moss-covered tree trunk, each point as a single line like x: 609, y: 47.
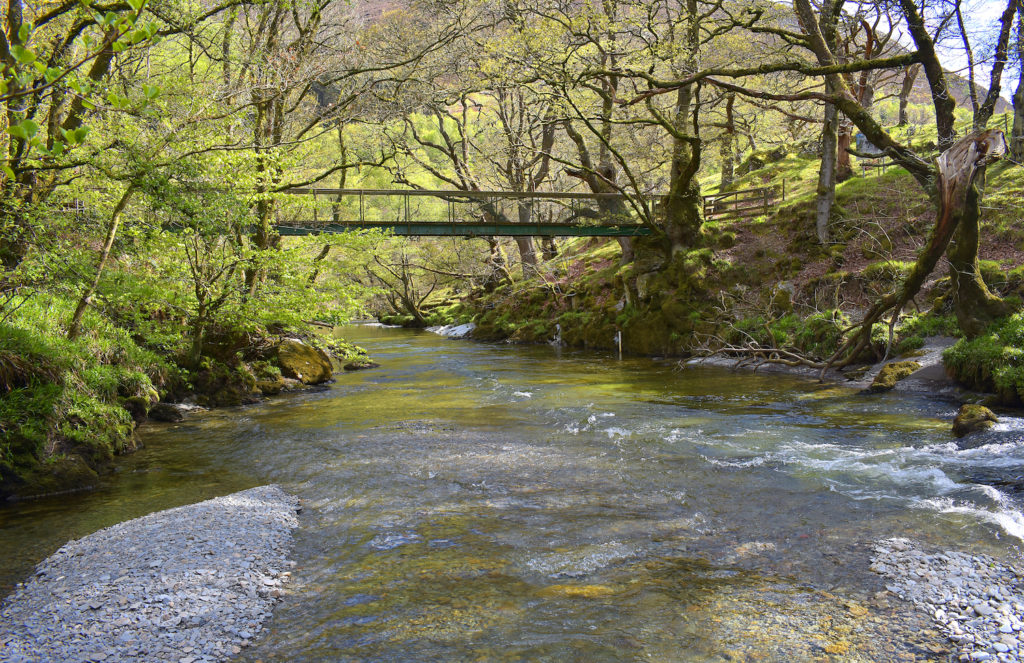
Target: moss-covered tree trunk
x: 976, y: 307
x: 682, y: 207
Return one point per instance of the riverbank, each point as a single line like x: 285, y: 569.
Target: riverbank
x: 194, y: 583
x: 68, y: 406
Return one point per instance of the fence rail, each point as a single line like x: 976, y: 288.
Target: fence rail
x: 741, y: 204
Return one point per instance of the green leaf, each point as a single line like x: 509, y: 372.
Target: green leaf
x: 136, y: 4
x: 18, y: 131
x: 139, y: 35
x: 22, y: 54
x: 40, y: 67
x: 3, y: 86
x: 117, y: 47
x: 7, y: 171
x: 52, y: 74
x: 88, y: 104
x: 58, y: 148
x: 24, y: 32
x: 31, y: 128
x: 80, y: 134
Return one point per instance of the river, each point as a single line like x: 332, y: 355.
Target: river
x: 492, y: 502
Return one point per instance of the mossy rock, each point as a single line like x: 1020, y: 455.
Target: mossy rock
x: 220, y: 385
x: 57, y: 475
x: 270, y: 386
x: 303, y: 362
x: 165, y: 412
x: 360, y: 364
x: 972, y: 418
x: 891, y: 374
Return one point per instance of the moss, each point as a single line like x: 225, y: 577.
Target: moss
x: 972, y: 418
x: 992, y: 362
x: 68, y: 405
x: 891, y: 374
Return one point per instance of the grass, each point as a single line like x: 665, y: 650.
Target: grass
x: 62, y: 398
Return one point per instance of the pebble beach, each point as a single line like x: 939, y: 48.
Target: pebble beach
x: 189, y: 584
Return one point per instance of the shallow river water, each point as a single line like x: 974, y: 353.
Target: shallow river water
x: 469, y: 502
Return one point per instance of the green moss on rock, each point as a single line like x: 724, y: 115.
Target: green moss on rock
x: 972, y: 418
x: 891, y: 374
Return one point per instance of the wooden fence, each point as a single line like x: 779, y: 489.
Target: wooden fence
x: 742, y: 204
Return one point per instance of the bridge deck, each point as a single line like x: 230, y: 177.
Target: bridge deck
x: 468, y: 229
x: 423, y: 213
x: 430, y: 213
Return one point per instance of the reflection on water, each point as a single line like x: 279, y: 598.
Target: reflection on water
x: 474, y: 502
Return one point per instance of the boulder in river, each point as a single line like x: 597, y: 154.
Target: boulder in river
x: 360, y: 363
x: 165, y: 412
x: 303, y: 362
x: 972, y: 418
x: 891, y: 374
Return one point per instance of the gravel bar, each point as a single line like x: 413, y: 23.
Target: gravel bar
x: 976, y: 601
x: 189, y: 584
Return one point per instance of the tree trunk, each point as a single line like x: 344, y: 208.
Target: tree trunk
x: 908, y: 86
x: 844, y: 138
x: 683, y: 204
x: 83, y: 302
x: 826, y: 191
x: 1017, y: 134
x: 976, y: 307
x: 527, y: 251
x: 549, y: 248
x: 958, y: 202
x: 727, y: 149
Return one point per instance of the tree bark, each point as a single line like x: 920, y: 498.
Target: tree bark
x: 976, y: 307
x: 826, y: 191
x: 1017, y: 134
x: 83, y: 302
x: 909, y: 76
x: 727, y: 149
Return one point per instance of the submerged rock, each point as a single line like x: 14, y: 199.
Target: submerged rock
x: 972, y: 418
x: 303, y: 362
x: 360, y: 364
x: 166, y: 412
x: 891, y: 374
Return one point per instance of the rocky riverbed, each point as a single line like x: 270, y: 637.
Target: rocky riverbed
x: 975, y: 600
x: 189, y: 584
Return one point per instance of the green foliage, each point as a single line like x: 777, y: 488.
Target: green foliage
x: 992, y: 362
x: 65, y: 397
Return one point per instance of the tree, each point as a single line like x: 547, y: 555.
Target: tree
x: 952, y: 182
x: 1017, y: 135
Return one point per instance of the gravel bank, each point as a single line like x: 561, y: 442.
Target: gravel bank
x: 976, y: 601
x: 189, y: 584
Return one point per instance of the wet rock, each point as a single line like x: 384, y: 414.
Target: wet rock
x: 360, y: 364
x: 972, y: 418
x: 891, y: 374
x: 166, y: 412
x: 271, y: 387
x: 303, y: 362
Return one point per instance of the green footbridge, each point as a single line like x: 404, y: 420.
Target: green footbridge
x: 421, y: 213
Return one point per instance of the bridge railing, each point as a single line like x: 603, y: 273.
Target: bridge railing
x: 313, y: 207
